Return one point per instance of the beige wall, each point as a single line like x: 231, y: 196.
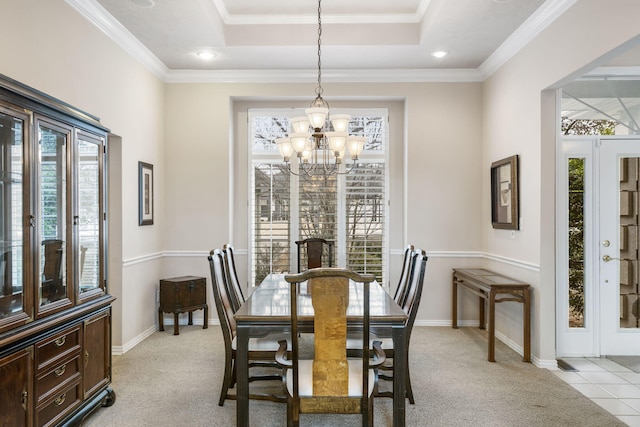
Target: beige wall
x: 442, y: 137
x: 513, y: 106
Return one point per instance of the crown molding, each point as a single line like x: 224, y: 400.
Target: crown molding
x: 360, y: 18
x: 523, y: 35
x: 335, y: 76
x: 98, y: 16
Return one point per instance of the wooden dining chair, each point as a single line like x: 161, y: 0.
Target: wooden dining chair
x: 330, y: 382
x: 409, y: 305
x: 235, y: 290
x: 314, y: 247
x: 261, y: 350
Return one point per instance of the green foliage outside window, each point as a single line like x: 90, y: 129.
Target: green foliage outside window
x: 576, y: 205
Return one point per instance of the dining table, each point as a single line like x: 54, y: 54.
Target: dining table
x: 266, y: 311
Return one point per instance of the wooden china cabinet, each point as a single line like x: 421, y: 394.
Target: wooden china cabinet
x: 55, y: 311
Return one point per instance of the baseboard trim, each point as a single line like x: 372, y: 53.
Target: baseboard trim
x: 120, y: 350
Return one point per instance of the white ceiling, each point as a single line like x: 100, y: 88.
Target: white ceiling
x: 280, y: 36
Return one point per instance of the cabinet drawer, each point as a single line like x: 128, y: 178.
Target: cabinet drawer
x: 52, y: 350
x: 56, y: 377
x: 58, y: 406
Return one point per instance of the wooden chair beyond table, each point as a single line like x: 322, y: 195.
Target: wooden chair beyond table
x: 410, y: 305
x: 235, y: 290
x: 6, y: 287
x: 261, y: 350
x: 314, y: 249
x: 52, y: 283
x: 330, y: 383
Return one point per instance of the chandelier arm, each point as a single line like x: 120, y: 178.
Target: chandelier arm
x: 291, y: 170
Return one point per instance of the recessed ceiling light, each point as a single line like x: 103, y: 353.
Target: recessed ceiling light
x: 206, y: 55
x: 439, y: 53
x: 143, y: 3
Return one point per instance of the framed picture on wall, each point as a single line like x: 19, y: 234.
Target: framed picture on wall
x: 504, y: 193
x: 145, y: 193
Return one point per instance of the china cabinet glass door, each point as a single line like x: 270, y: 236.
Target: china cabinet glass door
x: 53, y: 142
x: 15, y: 297
x: 88, y: 219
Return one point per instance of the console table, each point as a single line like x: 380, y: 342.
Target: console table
x: 493, y: 288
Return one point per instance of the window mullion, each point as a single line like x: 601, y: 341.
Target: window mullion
x: 341, y: 223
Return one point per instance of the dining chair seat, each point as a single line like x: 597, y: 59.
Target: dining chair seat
x: 305, y: 378
x: 354, y: 341
x: 267, y: 343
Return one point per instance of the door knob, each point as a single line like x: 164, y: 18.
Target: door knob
x: 607, y: 258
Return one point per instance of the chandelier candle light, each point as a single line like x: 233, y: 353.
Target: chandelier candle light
x: 320, y: 150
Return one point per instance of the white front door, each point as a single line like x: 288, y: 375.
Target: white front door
x: 598, y: 231
x: 618, y: 244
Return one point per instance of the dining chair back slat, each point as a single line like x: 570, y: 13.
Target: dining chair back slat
x: 404, y: 274
x: 233, y: 284
x: 314, y: 249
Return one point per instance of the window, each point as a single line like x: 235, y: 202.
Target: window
x: 349, y: 209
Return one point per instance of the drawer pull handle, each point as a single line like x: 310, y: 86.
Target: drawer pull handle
x: 60, y: 341
x: 25, y: 398
x: 59, y: 401
x: 58, y: 372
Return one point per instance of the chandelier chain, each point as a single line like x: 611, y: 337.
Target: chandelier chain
x: 319, y: 88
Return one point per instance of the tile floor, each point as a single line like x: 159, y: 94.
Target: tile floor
x: 610, y: 385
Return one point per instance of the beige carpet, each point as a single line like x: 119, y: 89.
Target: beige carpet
x: 173, y: 381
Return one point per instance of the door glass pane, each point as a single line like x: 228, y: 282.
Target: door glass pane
x: 11, y: 215
x: 629, y: 168
x: 365, y: 217
x: 89, y: 218
x: 271, y: 222
x: 576, y: 242
x: 52, y: 224
x: 317, y: 210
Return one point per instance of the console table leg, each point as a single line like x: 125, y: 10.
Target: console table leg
x: 492, y: 327
x: 481, y: 315
x: 527, y: 325
x: 454, y: 304
x: 190, y: 318
x: 161, y: 320
x: 176, y: 330
x: 205, y: 321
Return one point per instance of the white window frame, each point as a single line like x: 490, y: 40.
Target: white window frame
x: 257, y: 156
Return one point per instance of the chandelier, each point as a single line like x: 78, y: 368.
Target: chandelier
x: 318, y: 149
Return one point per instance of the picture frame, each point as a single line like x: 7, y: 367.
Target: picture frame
x: 505, y: 194
x: 145, y: 193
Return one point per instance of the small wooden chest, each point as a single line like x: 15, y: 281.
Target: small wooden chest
x: 182, y: 294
